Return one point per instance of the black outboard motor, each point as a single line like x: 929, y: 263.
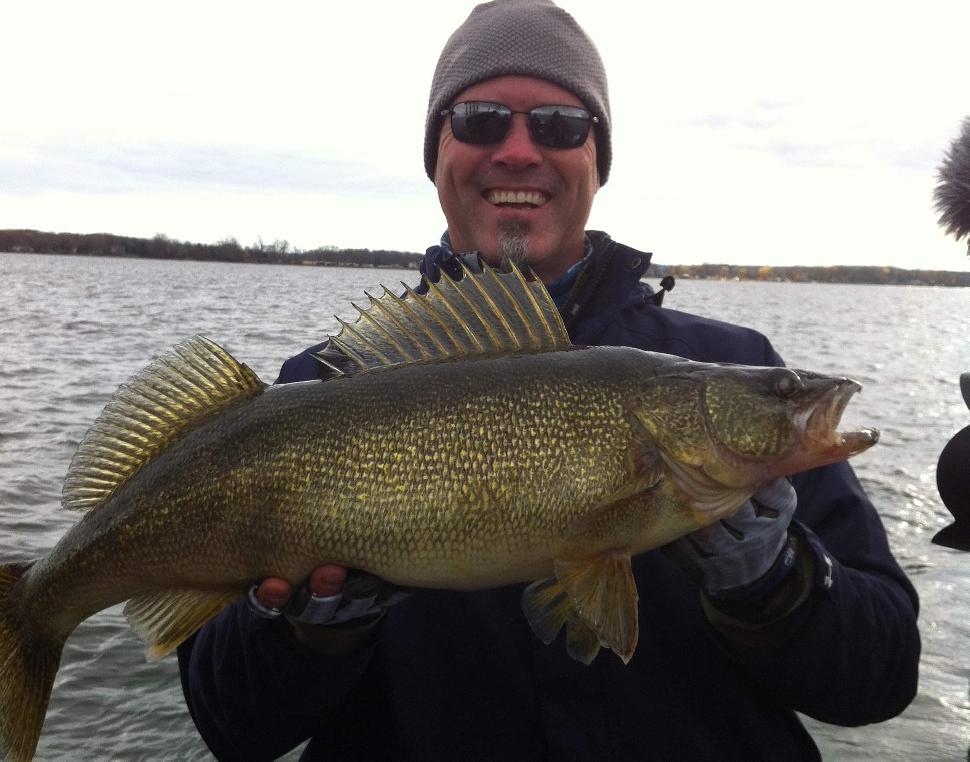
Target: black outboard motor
x: 952, y: 199
x: 953, y: 482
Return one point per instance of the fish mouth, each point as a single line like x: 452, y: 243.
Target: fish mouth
x: 817, y: 403
x: 817, y: 421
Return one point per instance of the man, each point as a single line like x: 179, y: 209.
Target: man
x: 781, y: 609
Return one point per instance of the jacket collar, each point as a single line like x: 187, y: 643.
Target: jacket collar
x: 608, y: 281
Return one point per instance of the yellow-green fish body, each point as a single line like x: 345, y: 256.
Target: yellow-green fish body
x: 461, y: 444
x: 478, y: 484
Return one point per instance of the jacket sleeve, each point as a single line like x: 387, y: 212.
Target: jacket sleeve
x: 850, y: 654
x: 253, y: 690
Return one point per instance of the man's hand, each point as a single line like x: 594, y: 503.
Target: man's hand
x: 324, y: 582
x: 749, y: 567
x: 737, y: 552
x: 335, y: 613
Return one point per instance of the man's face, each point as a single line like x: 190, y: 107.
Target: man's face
x: 561, y: 183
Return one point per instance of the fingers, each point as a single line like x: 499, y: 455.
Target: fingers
x: 331, y: 595
x: 273, y: 593
x: 779, y: 495
x: 325, y: 581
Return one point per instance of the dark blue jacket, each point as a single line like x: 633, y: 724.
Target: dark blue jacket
x: 458, y: 676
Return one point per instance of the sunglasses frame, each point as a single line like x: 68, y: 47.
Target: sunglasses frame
x: 576, y: 113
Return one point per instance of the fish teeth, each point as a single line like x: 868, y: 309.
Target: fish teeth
x: 535, y: 198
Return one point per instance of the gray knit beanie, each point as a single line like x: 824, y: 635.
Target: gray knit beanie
x: 526, y: 37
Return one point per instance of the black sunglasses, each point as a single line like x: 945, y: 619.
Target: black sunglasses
x: 482, y: 123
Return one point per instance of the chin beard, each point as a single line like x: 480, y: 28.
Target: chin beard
x: 513, y: 242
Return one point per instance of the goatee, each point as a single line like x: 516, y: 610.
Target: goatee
x: 513, y: 241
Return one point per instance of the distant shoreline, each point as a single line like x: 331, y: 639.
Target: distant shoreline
x: 280, y: 252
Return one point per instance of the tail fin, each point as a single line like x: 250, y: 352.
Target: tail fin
x: 27, y: 668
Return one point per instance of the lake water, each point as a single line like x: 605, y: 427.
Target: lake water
x: 73, y: 328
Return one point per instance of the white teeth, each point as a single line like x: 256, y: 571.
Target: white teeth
x: 516, y: 197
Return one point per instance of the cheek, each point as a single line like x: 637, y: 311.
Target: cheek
x: 448, y: 179
x: 750, y: 426
x: 442, y: 168
x: 581, y: 167
x: 590, y: 161
x: 457, y: 162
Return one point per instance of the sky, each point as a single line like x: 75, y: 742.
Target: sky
x: 776, y: 133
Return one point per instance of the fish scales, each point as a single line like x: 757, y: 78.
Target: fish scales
x: 311, y: 472
x: 503, y: 455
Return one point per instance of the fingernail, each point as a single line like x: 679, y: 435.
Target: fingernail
x: 275, y: 601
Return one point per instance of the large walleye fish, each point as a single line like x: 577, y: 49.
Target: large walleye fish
x: 459, y: 442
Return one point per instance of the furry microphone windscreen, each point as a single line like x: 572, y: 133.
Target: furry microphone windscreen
x: 952, y: 194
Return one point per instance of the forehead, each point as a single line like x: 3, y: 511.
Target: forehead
x: 518, y: 92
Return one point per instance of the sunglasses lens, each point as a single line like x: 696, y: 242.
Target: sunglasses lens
x: 559, y: 126
x: 480, y: 123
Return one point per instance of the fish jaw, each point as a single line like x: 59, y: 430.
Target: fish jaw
x: 818, y: 439
x: 735, y: 428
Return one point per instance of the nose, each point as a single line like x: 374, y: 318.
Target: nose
x: 518, y: 150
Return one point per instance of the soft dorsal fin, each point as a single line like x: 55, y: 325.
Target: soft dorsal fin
x: 179, y: 390
x: 482, y: 314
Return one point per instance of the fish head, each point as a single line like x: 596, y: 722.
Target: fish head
x: 743, y: 426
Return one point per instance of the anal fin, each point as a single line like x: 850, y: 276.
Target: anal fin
x: 596, y: 598
x: 166, y: 619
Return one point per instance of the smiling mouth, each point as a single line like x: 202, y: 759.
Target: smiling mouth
x: 516, y: 199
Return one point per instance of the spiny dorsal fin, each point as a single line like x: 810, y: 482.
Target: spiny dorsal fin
x: 179, y: 390
x: 483, y: 314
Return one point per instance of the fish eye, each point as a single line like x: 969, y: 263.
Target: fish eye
x: 786, y: 383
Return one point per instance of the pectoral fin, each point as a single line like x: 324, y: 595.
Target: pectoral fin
x: 708, y: 496
x: 595, y: 597
x: 166, y: 619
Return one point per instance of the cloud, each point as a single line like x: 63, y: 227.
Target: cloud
x: 801, y: 135
x: 103, y: 167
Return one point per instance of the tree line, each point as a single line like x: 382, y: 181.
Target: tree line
x: 227, y: 250
x: 889, y: 276
x: 280, y: 252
